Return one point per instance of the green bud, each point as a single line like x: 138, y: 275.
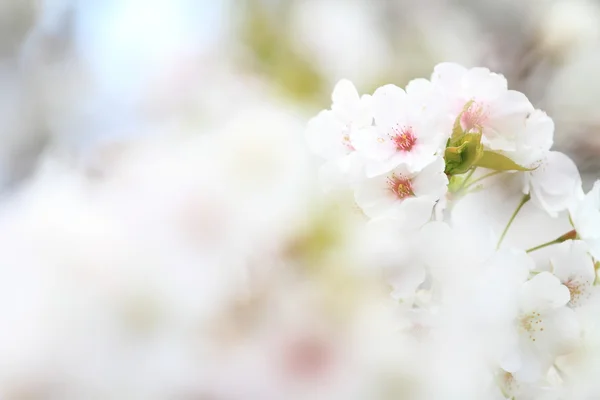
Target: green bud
x: 460, y: 158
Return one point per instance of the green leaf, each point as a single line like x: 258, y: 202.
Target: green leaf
x: 499, y: 162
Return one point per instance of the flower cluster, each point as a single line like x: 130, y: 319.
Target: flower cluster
x: 485, y: 236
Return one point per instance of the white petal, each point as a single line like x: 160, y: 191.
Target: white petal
x: 419, y: 87
x: 406, y: 281
x: 565, y: 329
x: 516, y: 264
x: 344, y: 94
x: 374, y: 167
x: 341, y: 173
x: 539, y: 132
x: 348, y: 106
x: 512, y: 104
x: 555, y: 183
x: 407, y: 216
x: 506, y: 120
x: 511, y: 362
x: 571, y: 260
x: 431, y: 181
x: 544, y: 291
x: 363, y: 115
x: 416, y: 160
x: 324, y: 135
x: 532, y: 367
x: 413, y: 213
x: 594, y: 246
x: 374, y: 197
x: 448, y: 76
x: 482, y: 84
x: 586, y: 215
x: 388, y: 105
x: 373, y: 144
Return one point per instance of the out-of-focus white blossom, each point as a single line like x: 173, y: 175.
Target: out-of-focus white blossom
x: 332, y: 133
x: 573, y: 265
x: 585, y: 215
x: 545, y: 327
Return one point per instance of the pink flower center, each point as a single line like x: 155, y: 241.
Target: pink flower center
x: 473, y: 117
x: 308, y: 358
x: 346, y: 141
x: 577, y: 291
x: 401, y: 186
x: 404, y: 138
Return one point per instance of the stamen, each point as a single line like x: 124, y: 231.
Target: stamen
x: 473, y: 117
x: 532, y: 324
x: 404, y: 138
x: 346, y: 140
x: 577, y: 290
x: 401, y: 186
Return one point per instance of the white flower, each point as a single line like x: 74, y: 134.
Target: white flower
x: 329, y: 133
x: 499, y: 113
x: 545, y: 327
x: 554, y: 184
x: 585, y: 215
x: 406, y: 281
x: 537, y: 390
x: 536, y: 140
x: 404, y: 133
x: 394, y: 253
x: 554, y: 181
x: 573, y: 265
x: 403, y: 194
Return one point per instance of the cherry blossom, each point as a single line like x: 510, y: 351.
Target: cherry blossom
x: 404, y: 132
x: 500, y: 114
x: 329, y: 133
x: 545, y: 327
x: 574, y: 266
x: 585, y: 215
x: 402, y: 192
x: 554, y: 184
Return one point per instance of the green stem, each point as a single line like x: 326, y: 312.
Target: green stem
x: 466, y: 180
x: 524, y: 200
x: 482, y: 178
x: 569, y: 235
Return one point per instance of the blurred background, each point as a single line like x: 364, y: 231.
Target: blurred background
x: 78, y: 74
x: 162, y: 234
